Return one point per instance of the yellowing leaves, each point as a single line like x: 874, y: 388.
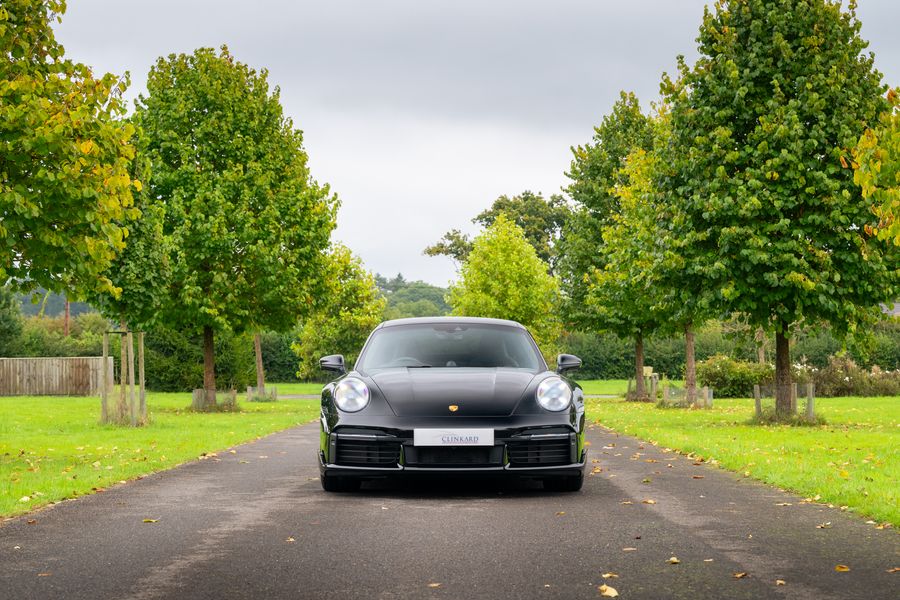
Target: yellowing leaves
x: 86, y: 146
x: 607, y: 591
x: 842, y: 568
x: 151, y: 520
x: 674, y: 561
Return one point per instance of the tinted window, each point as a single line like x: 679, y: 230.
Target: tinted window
x: 452, y: 345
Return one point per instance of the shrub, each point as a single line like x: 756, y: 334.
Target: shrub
x: 730, y: 378
x: 843, y: 377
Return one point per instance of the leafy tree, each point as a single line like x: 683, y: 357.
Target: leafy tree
x: 248, y: 225
x: 877, y: 165
x: 411, y: 298
x: 771, y: 222
x: 65, y: 153
x: 541, y: 220
x: 10, y: 322
x: 595, y: 174
x: 504, y: 278
x: 342, y: 324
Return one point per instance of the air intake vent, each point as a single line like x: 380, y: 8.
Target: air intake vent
x: 367, y: 453
x: 540, y: 453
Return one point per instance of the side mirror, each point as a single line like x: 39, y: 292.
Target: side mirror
x: 566, y: 363
x: 334, y: 362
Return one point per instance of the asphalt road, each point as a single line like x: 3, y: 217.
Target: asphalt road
x: 256, y: 524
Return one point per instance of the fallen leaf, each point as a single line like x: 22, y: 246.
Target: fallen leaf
x: 844, y: 474
x: 151, y: 520
x: 560, y: 513
x: 841, y: 568
x: 24, y: 498
x: 739, y: 575
x: 825, y: 525
x: 43, y: 574
x: 628, y: 549
x: 31, y: 521
x: 609, y: 592
x: 610, y: 576
x: 674, y: 561
x: 232, y: 452
x: 627, y: 502
x: 646, y: 480
x: 883, y: 526
x: 708, y: 559
x: 648, y: 501
x: 434, y: 585
x: 697, y: 477
x: 596, y: 470
x: 780, y: 582
x: 783, y: 504
x: 290, y: 540
x: 894, y: 570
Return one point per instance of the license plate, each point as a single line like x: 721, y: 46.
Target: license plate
x: 453, y: 437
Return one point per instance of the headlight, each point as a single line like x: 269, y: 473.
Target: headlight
x: 351, y: 395
x: 554, y: 394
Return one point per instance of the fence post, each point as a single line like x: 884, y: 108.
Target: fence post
x: 794, y: 397
x: 143, y: 386
x: 757, y: 400
x: 810, y: 398
x: 132, y: 404
x: 666, y: 395
x: 104, y: 381
x: 709, y: 397
x: 654, y: 384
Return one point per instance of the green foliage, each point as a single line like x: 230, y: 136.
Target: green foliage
x: 354, y: 307
x: 411, y: 298
x: 877, y: 166
x: 247, y: 223
x: 65, y: 155
x: 50, y: 304
x: 504, y: 278
x: 731, y: 378
x: 770, y: 222
x: 279, y: 361
x: 843, y: 377
x: 10, y: 322
x: 595, y: 172
x: 541, y: 220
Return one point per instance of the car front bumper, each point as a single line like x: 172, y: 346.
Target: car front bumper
x: 376, y: 453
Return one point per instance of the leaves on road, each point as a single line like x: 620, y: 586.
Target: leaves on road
x: 290, y: 540
x: 151, y: 520
x: 894, y: 570
x: 629, y: 549
x: 31, y: 522
x: 610, y: 576
x: 739, y: 574
x: 560, y: 513
x: 780, y: 582
x: 824, y: 525
x: 607, y: 591
x: 674, y: 561
x: 783, y: 504
x: 434, y: 585
x: 648, y: 501
x: 841, y: 568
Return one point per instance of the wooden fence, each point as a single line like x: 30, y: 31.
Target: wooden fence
x: 60, y: 376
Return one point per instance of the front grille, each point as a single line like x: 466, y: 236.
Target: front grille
x: 367, y: 453
x: 529, y: 453
x: 454, y: 456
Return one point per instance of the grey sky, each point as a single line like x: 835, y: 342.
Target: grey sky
x: 420, y: 113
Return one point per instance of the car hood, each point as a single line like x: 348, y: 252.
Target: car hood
x: 431, y: 392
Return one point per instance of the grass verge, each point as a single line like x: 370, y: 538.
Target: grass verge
x: 52, y: 448
x: 853, y: 461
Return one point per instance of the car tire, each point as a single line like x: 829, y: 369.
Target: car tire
x: 571, y: 483
x: 333, y: 483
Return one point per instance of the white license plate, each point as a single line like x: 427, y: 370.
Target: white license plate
x: 453, y: 437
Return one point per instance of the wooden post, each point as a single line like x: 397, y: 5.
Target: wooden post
x: 757, y: 400
x: 104, y: 381
x: 709, y: 397
x: 810, y: 398
x: 654, y: 384
x: 666, y: 395
x: 198, y: 399
x: 703, y: 395
x: 132, y: 404
x: 141, y: 382
x: 794, y: 398
x: 121, y: 407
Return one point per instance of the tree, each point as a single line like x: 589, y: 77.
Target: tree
x: 10, y: 322
x: 541, y: 220
x: 248, y: 225
x: 341, y: 325
x: 772, y: 225
x: 414, y: 299
x: 877, y: 165
x: 504, y: 278
x: 595, y: 173
x: 65, y: 153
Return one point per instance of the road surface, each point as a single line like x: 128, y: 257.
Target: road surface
x: 256, y: 524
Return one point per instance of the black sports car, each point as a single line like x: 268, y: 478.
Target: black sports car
x: 452, y: 394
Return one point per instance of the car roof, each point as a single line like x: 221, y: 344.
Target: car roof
x: 439, y: 320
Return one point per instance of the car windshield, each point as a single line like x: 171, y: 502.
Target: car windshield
x: 449, y: 345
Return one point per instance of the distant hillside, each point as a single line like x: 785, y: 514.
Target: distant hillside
x: 56, y: 305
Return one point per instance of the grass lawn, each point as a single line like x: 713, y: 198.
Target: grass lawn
x: 854, y: 461
x: 296, y: 389
x: 53, y: 448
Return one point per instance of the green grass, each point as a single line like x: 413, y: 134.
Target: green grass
x: 53, y: 448
x: 853, y: 461
x: 296, y: 389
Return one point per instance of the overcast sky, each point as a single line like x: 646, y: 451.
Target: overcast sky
x: 419, y: 113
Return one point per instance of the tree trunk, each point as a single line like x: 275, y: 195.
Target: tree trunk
x: 66, y: 319
x: 690, y: 365
x: 209, y: 367
x: 783, y: 404
x: 761, y: 345
x: 639, y: 392
x: 260, y: 373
